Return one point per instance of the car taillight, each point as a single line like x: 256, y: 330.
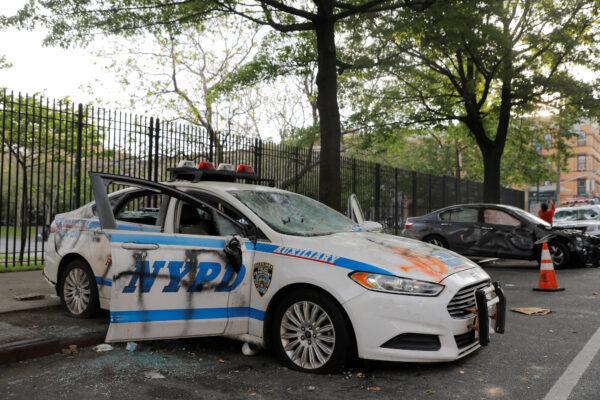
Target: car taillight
x: 244, y: 168
x: 206, y: 165
x: 408, y: 224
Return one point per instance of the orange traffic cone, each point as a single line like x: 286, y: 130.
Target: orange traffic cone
x: 548, y: 281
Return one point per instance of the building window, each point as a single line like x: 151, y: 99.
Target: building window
x: 581, y: 187
x: 581, y: 138
x: 581, y: 163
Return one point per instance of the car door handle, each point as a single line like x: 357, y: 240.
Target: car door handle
x: 445, y: 224
x: 487, y: 228
x: 139, y: 246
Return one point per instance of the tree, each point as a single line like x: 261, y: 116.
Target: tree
x: 29, y: 127
x: 180, y: 76
x: 74, y: 20
x: 478, y: 63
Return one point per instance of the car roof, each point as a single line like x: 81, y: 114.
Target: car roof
x: 580, y: 207
x: 221, y: 186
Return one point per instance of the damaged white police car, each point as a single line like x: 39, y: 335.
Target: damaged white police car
x: 204, y: 255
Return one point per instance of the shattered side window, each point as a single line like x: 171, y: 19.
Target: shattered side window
x: 293, y: 214
x: 565, y: 215
x: 589, y: 214
x: 143, y: 209
x: 497, y: 217
x: 460, y: 215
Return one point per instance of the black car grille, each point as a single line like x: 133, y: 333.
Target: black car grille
x: 465, y: 298
x: 465, y: 340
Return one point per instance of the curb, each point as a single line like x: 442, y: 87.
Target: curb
x: 43, y: 346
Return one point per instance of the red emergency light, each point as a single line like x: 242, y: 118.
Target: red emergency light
x: 244, y: 169
x: 206, y: 165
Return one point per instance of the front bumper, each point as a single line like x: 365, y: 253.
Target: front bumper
x: 379, y: 318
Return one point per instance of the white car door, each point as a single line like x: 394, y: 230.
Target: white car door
x: 171, y: 285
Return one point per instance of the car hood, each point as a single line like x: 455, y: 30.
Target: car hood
x: 384, y: 253
x: 560, y: 224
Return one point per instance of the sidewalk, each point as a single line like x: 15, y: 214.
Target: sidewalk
x: 28, y: 283
x: 35, y: 328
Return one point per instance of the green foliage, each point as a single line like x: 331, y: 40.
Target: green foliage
x: 476, y: 63
x: 4, y: 63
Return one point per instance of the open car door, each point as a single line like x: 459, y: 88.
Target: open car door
x: 173, y: 285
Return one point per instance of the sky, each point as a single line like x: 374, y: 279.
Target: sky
x: 53, y: 71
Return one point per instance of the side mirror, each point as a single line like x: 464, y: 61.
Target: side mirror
x: 354, y: 211
x: 233, y: 252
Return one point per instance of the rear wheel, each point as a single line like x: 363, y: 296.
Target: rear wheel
x: 436, y: 240
x: 560, y: 255
x: 78, y: 290
x: 310, y: 334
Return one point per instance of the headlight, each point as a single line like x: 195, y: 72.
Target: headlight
x: 394, y: 284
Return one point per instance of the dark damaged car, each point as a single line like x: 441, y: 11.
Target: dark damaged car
x: 499, y: 231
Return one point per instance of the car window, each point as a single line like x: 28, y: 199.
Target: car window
x: 498, y: 217
x: 140, y: 208
x: 565, y: 215
x: 589, y: 214
x: 204, y: 221
x: 460, y: 215
x: 294, y: 214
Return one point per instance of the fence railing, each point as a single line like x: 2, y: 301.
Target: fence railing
x: 49, y: 146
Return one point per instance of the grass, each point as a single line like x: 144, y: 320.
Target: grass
x: 16, y: 231
x: 6, y: 264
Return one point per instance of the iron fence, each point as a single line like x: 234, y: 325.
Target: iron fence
x: 49, y: 146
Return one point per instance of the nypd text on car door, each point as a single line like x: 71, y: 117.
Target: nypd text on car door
x: 170, y: 284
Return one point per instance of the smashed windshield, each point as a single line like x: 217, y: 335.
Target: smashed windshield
x: 293, y: 214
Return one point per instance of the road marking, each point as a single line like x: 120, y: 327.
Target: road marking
x: 567, y: 381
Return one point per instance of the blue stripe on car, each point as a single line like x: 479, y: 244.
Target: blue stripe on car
x: 103, y: 281
x: 341, y: 262
x: 183, y: 314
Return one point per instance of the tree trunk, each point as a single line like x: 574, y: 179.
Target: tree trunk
x: 491, y: 175
x: 329, y: 113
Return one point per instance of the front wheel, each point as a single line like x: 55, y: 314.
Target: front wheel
x: 310, y: 333
x: 560, y: 255
x: 78, y: 290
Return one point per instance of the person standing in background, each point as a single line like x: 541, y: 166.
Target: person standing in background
x: 547, y: 214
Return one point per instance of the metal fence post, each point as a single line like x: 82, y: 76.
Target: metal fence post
x: 353, y: 183
x: 150, y: 143
x: 377, y: 192
x: 395, y: 201
x: 78, y: 156
x: 413, y: 205
x: 443, y: 191
x: 258, y: 157
x: 429, y: 194
x: 296, y: 171
x: 156, y: 138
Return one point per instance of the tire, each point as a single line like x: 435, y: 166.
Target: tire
x: 330, y: 351
x: 78, y: 290
x: 561, y: 258
x: 436, y: 240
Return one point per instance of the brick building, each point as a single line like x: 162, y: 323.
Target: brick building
x: 581, y: 181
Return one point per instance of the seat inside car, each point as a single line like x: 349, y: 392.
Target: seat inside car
x: 195, y: 221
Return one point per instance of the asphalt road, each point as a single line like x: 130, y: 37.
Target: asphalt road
x: 525, y: 363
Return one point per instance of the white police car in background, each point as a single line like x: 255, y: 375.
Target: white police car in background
x: 203, y: 255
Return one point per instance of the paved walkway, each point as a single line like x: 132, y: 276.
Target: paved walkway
x: 15, y: 284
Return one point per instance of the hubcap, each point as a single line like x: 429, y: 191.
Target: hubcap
x: 436, y: 242
x: 557, y: 254
x: 307, y: 335
x: 77, y: 291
